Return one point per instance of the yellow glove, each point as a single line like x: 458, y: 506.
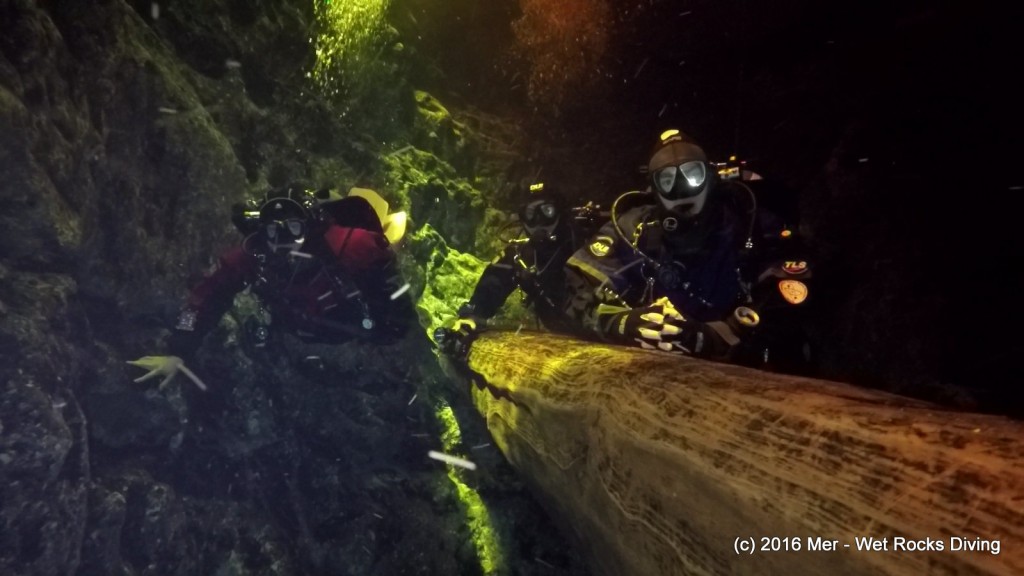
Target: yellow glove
x: 167, y: 366
x: 464, y: 326
x: 455, y: 340
x: 668, y: 310
x: 656, y: 327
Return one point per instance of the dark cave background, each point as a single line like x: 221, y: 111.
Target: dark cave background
x: 125, y: 137
x: 892, y: 126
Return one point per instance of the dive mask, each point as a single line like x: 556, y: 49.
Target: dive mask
x: 281, y: 231
x: 540, y: 213
x: 540, y: 218
x: 683, y: 181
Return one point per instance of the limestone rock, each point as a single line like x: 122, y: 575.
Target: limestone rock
x: 657, y: 464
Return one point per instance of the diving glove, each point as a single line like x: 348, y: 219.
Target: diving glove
x: 455, y: 340
x: 167, y: 366
x: 656, y: 327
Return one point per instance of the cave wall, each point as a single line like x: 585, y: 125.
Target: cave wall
x: 105, y: 198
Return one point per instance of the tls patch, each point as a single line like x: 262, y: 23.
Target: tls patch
x: 792, y: 267
x: 601, y: 246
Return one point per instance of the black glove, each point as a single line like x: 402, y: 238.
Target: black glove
x: 656, y: 327
x: 661, y: 327
x: 454, y: 341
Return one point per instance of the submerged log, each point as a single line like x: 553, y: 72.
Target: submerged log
x: 658, y: 464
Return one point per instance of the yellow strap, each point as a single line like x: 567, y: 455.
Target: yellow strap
x: 588, y: 269
x: 603, y: 309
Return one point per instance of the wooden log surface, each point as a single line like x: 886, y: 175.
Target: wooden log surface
x: 659, y: 465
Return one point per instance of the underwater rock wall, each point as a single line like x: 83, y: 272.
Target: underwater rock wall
x: 105, y: 198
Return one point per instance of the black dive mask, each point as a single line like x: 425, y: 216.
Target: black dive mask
x: 683, y: 181
x: 285, y: 235
x: 540, y: 219
x: 540, y: 213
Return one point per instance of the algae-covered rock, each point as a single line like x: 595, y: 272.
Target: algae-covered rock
x: 137, y: 520
x: 434, y: 192
x: 38, y: 226
x: 449, y: 280
x: 44, y: 469
x: 449, y: 277
x: 437, y: 131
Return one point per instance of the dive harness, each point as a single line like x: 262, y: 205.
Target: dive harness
x: 658, y: 270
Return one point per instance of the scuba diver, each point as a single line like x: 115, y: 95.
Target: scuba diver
x: 701, y: 269
x: 321, y: 266
x: 533, y: 262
